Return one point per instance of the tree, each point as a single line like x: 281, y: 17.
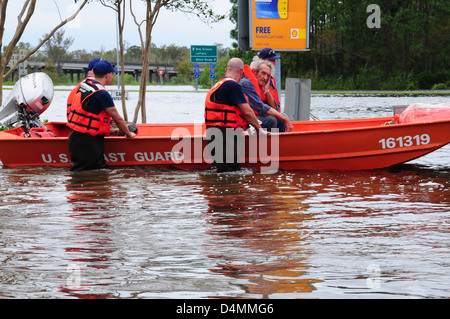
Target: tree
x: 145, y: 27
x: 57, y: 48
x: 409, y: 50
x: 50, y: 70
x: 119, y: 7
x: 22, y: 21
x: 133, y: 53
x: 184, y: 72
x: 173, y: 54
x: 234, y: 34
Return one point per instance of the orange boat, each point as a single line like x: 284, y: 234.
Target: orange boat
x: 357, y: 144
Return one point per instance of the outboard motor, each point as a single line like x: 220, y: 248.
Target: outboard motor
x: 29, y: 98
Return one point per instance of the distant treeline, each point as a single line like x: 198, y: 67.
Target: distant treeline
x: 409, y: 50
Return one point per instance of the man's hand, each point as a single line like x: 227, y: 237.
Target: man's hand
x: 117, y: 118
x: 289, y: 126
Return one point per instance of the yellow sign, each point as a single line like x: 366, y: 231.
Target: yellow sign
x: 279, y: 24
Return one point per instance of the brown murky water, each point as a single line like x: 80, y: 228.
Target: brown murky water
x: 152, y: 233
x: 156, y: 233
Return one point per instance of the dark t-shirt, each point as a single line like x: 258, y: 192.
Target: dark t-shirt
x: 230, y: 93
x: 99, y: 101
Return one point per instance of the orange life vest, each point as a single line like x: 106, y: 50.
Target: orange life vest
x: 223, y: 115
x: 273, y: 91
x: 248, y: 72
x: 72, y: 94
x: 84, y: 121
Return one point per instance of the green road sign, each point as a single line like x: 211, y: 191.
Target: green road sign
x: 203, y: 54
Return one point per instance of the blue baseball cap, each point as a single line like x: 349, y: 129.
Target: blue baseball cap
x: 92, y: 63
x: 104, y: 67
x: 268, y: 53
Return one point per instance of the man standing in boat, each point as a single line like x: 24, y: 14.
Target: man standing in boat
x: 90, y: 109
x: 227, y: 109
x: 255, y: 85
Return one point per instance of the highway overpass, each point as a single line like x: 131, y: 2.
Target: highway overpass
x: 77, y: 70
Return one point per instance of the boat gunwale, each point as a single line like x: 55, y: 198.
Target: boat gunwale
x: 8, y: 135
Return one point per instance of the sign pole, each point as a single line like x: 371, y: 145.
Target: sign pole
x: 212, y: 71
x: 197, y: 75
x: 278, y: 76
x: 161, y: 72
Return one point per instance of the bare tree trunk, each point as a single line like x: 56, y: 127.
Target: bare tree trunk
x: 21, y: 25
x: 121, y: 22
x: 119, y: 7
x: 151, y: 16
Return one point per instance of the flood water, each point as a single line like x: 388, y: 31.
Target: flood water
x: 160, y: 233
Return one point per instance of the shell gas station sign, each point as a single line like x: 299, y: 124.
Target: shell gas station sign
x: 279, y: 24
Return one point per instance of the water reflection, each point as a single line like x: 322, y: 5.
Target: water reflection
x: 294, y: 233
x: 258, y: 233
x: 152, y: 233
x: 391, y: 219
x: 89, y: 194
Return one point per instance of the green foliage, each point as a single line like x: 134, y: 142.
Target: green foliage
x: 205, y: 76
x: 130, y: 80
x: 57, y: 49
x: 185, y: 73
x: 50, y: 70
x: 409, y: 51
x: 439, y: 86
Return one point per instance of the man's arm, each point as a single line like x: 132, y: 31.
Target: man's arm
x: 262, y: 108
x: 117, y: 118
x: 253, y: 98
x: 271, y: 100
x: 249, y: 115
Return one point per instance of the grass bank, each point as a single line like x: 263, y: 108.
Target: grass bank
x: 381, y: 93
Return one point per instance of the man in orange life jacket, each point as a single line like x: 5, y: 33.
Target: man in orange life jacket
x: 90, y: 75
x: 90, y: 111
x: 227, y: 108
x: 254, y: 84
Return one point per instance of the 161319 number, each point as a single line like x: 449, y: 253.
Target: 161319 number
x: 405, y: 141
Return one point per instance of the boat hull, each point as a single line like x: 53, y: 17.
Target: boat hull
x: 358, y: 144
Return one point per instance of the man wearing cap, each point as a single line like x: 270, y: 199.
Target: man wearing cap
x: 268, y: 54
x: 90, y: 75
x: 90, y: 67
x: 89, y: 116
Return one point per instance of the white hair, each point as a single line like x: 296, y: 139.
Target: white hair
x: 257, y: 62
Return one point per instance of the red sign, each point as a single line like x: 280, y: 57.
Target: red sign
x: 160, y: 72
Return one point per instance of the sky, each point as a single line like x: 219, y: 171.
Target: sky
x: 95, y: 26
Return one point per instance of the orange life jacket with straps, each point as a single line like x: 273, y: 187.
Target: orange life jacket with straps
x: 82, y: 120
x: 72, y: 94
x: 248, y: 72
x: 274, y: 92
x: 223, y: 115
